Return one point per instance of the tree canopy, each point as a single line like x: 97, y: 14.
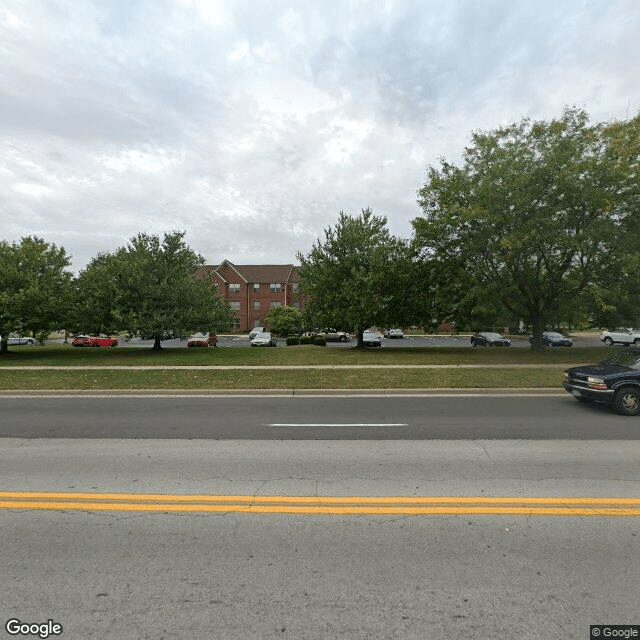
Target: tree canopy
x: 284, y: 320
x: 352, y: 278
x: 540, y: 220
x: 148, y: 287
x: 35, y: 287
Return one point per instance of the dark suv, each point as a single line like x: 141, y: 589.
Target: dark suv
x: 615, y: 380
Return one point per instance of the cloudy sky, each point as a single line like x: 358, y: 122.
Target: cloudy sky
x: 251, y: 123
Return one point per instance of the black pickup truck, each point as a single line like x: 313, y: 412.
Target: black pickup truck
x: 615, y: 380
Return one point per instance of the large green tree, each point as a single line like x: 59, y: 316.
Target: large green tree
x: 353, y: 278
x: 540, y: 220
x: 35, y: 287
x: 148, y: 287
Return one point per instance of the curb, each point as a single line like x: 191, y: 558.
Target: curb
x: 542, y: 391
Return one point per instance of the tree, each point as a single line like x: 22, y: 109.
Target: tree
x: 350, y: 279
x: 149, y: 287
x: 284, y: 320
x: 541, y: 220
x: 34, y: 287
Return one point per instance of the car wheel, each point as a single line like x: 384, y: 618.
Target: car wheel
x: 114, y: 344
x: 343, y: 338
x: 626, y: 401
x: 608, y: 341
x: 30, y: 343
x: 636, y: 342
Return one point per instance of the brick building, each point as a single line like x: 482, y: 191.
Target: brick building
x: 253, y: 290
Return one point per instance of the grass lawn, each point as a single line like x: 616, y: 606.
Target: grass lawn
x: 281, y: 379
x: 405, y: 378
x: 65, y: 355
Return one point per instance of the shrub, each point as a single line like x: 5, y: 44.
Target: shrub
x: 305, y: 340
x: 320, y: 341
x: 293, y: 340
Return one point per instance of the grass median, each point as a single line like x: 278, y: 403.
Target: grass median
x: 405, y: 378
x: 196, y: 377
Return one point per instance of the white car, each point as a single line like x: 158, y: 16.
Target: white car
x: 623, y: 335
x: 15, y: 339
x: 254, y: 332
x: 393, y: 333
x: 264, y: 339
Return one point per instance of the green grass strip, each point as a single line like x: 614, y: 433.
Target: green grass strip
x: 281, y: 379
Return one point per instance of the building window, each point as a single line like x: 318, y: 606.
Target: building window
x: 295, y: 287
x: 234, y: 288
x: 296, y: 305
x: 256, y: 305
x: 256, y: 287
x: 275, y: 287
x: 275, y: 304
x: 235, y: 306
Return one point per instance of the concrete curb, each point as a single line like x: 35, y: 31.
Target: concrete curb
x: 282, y: 367
x: 543, y: 391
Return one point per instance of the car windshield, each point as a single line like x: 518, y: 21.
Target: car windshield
x: 493, y: 336
x: 625, y: 358
x: 554, y: 334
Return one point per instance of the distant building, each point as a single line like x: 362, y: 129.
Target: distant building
x: 253, y: 290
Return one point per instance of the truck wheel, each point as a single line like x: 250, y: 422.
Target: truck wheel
x: 626, y: 401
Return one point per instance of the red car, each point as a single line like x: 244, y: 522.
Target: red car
x: 203, y: 340
x: 94, y: 341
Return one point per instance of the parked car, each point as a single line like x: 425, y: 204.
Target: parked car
x: 371, y: 339
x: 94, y: 341
x: 203, y: 340
x: 254, y: 332
x: 489, y: 339
x: 615, y: 380
x: 17, y: 339
x: 393, y: 333
x: 554, y: 339
x: 264, y: 339
x: 331, y: 335
x: 622, y: 335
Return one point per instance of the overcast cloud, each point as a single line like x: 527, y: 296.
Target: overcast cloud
x: 251, y: 124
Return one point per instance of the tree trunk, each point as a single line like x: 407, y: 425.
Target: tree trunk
x: 537, y: 325
x: 360, y: 339
x: 156, y: 344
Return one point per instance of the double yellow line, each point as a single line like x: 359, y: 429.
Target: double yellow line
x: 322, y: 505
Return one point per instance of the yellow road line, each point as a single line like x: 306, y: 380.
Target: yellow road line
x: 309, y: 509
x: 155, y: 497
x: 328, y: 505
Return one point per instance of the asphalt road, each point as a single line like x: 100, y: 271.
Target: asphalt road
x: 308, y: 418
x: 184, y: 575
x: 178, y: 518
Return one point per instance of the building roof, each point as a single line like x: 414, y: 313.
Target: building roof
x: 258, y: 273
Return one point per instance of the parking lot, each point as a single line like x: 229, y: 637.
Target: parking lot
x: 240, y: 341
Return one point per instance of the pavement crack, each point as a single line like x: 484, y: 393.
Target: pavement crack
x: 479, y: 443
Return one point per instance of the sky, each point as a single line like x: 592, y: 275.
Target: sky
x: 250, y: 124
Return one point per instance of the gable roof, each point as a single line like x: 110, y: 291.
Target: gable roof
x: 257, y: 273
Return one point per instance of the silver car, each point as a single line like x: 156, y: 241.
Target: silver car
x: 264, y: 339
x: 14, y: 339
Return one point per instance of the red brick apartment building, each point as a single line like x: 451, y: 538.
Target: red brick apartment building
x: 253, y: 290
